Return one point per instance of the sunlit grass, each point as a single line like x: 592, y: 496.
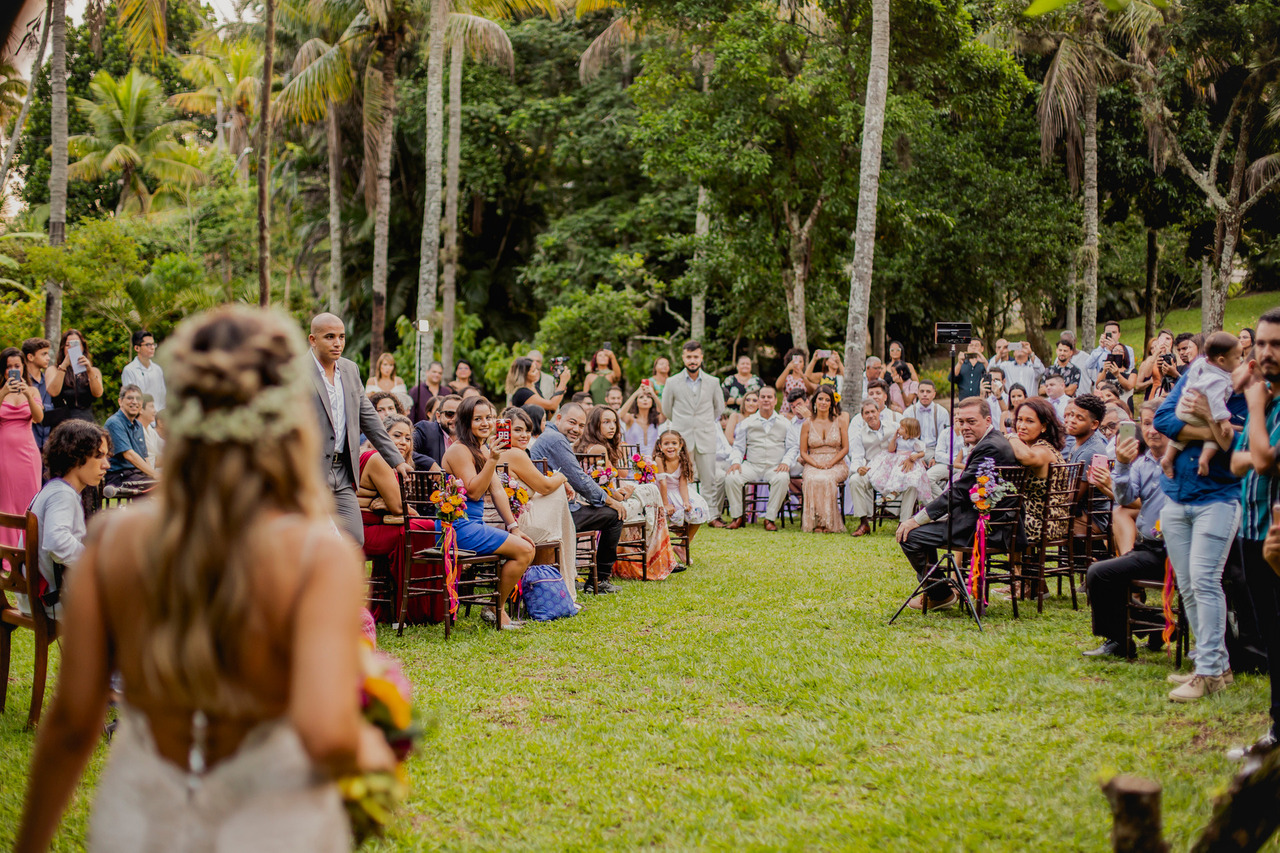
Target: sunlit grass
x: 762, y: 701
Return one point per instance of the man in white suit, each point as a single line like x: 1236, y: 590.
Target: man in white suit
x: 344, y: 412
x: 759, y: 444
x: 692, y: 403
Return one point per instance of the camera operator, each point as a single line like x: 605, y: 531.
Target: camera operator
x: 970, y: 371
x: 1107, y: 341
x: 522, y: 384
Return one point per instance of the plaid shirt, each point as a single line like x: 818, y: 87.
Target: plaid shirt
x: 1259, y: 492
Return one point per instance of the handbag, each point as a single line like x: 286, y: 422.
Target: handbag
x: 544, y: 594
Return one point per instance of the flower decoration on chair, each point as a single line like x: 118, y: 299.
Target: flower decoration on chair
x: 518, y: 496
x: 604, y: 474
x: 988, y: 490
x: 450, y: 501
x: 386, y: 701
x: 644, y: 470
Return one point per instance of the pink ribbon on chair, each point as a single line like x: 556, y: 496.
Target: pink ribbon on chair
x: 978, y: 565
x: 449, y: 550
x: 1166, y: 600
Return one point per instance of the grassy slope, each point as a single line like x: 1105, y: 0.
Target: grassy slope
x: 1241, y: 311
x: 761, y: 701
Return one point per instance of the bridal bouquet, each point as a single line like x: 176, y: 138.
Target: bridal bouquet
x: 386, y: 701
x: 644, y: 470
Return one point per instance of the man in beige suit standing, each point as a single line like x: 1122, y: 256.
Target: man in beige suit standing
x: 759, y: 443
x: 344, y: 412
x: 692, y: 403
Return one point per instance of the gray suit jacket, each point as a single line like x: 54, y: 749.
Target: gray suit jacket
x: 360, y: 418
x: 694, y: 414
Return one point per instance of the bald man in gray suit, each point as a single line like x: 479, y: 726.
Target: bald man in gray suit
x: 344, y: 412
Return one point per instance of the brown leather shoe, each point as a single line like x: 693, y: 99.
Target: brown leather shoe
x: 735, y: 524
x: 916, y: 603
x: 863, y: 529
x: 770, y: 526
x: 717, y: 523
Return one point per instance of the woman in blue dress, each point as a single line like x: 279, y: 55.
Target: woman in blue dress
x: 471, y: 458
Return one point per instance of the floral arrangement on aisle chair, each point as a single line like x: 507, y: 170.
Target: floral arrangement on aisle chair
x: 450, y: 501
x: 988, y: 490
x: 644, y: 470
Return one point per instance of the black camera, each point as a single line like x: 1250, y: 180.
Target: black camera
x: 1120, y: 360
x: 1167, y: 358
x: 952, y: 333
x: 557, y: 365
x: 903, y: 371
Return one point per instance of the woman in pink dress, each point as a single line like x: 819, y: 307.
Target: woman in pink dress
x: 19, y: 457
x: 824, y: 444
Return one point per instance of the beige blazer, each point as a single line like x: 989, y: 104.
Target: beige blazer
x: 694, y: 413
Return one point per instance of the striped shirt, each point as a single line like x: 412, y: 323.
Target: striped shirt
x: 1259, y: 492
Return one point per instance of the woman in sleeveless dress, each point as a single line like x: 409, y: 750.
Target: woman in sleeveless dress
x: 230, y: 606
x: 378, y: 494
x: 472, y: 458
x: 824, y: 444
x: 1037, y: 443
x: 19, y: 457
x: 72, y: 393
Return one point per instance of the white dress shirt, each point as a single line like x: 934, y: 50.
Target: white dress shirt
x: 791, y: 454
x: 336, y: 405
x: 1060, y: 405
x: 863, y: 440
x: 933, y: 419
x: 765, y: 432
x: 150, y: 379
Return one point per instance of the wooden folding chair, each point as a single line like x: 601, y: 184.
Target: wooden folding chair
x: 1002, y: 544
x: 1050, y: 555
x: 19, y: 573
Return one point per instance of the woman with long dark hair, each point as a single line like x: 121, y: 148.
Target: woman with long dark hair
x: 1037, y: 443
x: 72, y: 392
x: 472, y: 458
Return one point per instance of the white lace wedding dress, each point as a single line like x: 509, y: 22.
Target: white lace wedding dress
x: 266, y: 796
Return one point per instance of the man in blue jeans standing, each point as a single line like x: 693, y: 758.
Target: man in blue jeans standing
x: 1198, y: 522
x: 1254, y: 456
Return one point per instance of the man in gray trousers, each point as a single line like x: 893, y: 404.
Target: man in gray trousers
x: 344, y: 412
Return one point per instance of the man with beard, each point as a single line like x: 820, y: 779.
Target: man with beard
x: 1255, y: 458
x: 692, y: 404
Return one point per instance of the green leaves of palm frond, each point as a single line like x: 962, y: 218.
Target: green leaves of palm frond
x: 587, y: 7
x: 508, y: 10
x: 1260, y: 172
x: 484, y: 39
x: 1074, y: 68
x: 143, y: 22
x: 1043, y: 7
x: 321, y: 73
x: 375, y: 121
x: 623, y: 30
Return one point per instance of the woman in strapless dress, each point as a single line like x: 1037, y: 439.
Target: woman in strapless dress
x: 230, y: 606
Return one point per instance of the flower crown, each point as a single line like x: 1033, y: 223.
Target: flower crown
x: 271, y: 413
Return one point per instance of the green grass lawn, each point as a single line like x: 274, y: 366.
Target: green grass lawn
x: 1241, y: 311
x: 761, y: 701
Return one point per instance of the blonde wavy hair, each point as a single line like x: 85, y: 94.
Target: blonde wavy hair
x: 232, y: 365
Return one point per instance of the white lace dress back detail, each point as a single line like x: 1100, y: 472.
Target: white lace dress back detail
x: 264, y: 797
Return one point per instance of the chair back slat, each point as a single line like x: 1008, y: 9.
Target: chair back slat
x: 591, y: 460
x: 543, y: 466
x: 1007, y: 517
x: 13, y: 559
x: 1060, y: 495
x: 630, y: 450
x: 416, y: 488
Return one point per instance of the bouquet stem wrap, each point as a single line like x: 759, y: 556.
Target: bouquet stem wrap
x: 1166, y: 600
x: 449, y: 549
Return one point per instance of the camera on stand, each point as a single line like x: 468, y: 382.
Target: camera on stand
x: 952, y: 333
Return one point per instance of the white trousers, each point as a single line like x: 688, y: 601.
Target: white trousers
x: 863, y: 496
x: 710, y: 484
x: 779, y: 482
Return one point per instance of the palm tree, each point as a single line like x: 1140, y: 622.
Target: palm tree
x: 133, y: 134
x: 484, y: 39
x: 10, y: 89
x: 429, y: 251
x: 228, y: 77
x: 864, y: 235
x: 264, y: 151
x: 57, y: 158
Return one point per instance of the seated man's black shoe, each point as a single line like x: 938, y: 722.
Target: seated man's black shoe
x: 1110, y: 648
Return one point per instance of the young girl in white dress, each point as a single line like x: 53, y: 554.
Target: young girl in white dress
x: 903, y: 466
x: 682, y: 504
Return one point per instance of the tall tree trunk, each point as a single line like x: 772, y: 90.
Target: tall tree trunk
x: 449, y: 278
x: 1152, y: 284
x: 1089, y: 304
x: 264, y: 161
x: 1033, y: 323
x: 26, y: 104
x: 698, y: 301
x: 1213, y: 298
x: 220, y: 136
x: 58, y: 159
x: 429, y: 252
x: 864, y: 235
x: 382, y: 215
x: 1073, y: 302
x: 879, y: 344
x: 796, y: 275
x: 793, y: 281
x: 335, y: 209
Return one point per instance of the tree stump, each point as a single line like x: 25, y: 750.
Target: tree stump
x: 1136, y: 820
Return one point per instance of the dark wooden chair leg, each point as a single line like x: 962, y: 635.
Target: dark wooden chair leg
x: 6, y: 649
x: 39, y: 675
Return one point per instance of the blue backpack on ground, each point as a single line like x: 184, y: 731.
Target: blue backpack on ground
x: 545, y: 596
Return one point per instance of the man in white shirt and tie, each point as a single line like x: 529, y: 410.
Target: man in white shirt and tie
x: 932, y: 415
x: 1055, y: 391
x: 759, y: 443
x: 800, y: 410
x: 939, y: 473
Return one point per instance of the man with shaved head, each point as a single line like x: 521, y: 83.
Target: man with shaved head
x: 592, y: 508
x: 344, y: 412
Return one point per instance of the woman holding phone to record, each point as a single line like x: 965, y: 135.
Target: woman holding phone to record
x: 832, y: 372
x: 793, y: 377
x: 72, y: 381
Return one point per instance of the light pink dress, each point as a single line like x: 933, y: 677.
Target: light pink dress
x: 19, y: 464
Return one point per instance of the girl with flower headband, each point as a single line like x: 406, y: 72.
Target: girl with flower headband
x: 232, y: 608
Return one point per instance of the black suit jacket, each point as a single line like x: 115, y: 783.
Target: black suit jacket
x: 964, y: 515
x: 428, y: 439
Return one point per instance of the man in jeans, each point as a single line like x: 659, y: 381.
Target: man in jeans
x: 1255, y: 458
x: 1136, y: 478
x: 1198, y: 521
x: 591, y: 508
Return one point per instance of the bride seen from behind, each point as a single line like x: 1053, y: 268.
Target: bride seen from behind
x: 231, y: 608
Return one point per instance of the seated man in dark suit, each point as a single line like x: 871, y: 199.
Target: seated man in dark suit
x: 431, y: 438
x: 923, y: 534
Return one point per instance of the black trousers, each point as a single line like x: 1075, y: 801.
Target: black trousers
x: 1108, y: 585
x: 605, y: 520
x: 1264, y: 590
x: 921, y: 547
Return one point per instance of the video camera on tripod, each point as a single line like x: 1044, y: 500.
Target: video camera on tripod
x: 952, y: 333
